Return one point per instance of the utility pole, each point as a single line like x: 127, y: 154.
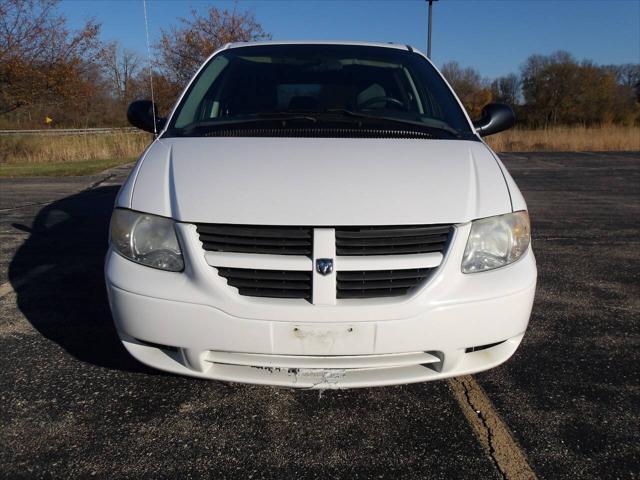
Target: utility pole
x: 429, y: 28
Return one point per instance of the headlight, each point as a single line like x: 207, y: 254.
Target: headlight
x: 146, y: 239
x: 496, y: 241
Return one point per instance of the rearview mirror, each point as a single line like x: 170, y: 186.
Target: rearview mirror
x: 495, y: 117
x: 140, y: 115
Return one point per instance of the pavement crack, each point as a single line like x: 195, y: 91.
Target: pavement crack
x: 487, y: 429
x: 493, y: 434
x: 99, y: 182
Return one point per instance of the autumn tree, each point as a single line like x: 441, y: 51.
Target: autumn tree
x: 471, y: 88
x: 42, y: 62
x: 166, y: 92
x: 558, y: 89
x: 627, y: 101
x: 183, y: 48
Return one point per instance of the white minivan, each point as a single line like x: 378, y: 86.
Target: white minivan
x: 320, y: 215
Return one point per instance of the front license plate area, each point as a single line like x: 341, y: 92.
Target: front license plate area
x: 323, y: 339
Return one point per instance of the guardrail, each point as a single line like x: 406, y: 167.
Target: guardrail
x: 70, y: 131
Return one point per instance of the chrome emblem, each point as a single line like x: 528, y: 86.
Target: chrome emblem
x: 324, y: 266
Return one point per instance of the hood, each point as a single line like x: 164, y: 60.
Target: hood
x: 319, y: 181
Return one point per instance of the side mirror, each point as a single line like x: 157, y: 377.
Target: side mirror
x: 495, y: 117
x: 140, y: 115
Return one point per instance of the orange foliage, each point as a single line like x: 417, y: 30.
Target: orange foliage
x: 41, y: 61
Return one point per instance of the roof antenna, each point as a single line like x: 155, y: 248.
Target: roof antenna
x: 153, y: 101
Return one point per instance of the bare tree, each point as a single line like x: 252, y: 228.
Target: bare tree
x: 627, y: 74
x: 507, y: 89
x: 120, y: 68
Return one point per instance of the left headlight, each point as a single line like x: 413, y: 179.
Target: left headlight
x: 496, y: 241
x: 146, y: 239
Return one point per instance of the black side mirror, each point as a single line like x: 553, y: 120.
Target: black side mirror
x: 495, y: 117
x: 140, y: 115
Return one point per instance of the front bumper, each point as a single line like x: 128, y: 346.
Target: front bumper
x: 189, y: 323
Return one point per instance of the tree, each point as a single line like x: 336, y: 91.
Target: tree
x: 559, y: 90
x: 506, y: 89
x: 42, y: 62
x: 471, y: 88
x: 166, y: 92
x: 627, y: 77
x: 183, y: 49
x: 120, y: 68
x: 627, y: 74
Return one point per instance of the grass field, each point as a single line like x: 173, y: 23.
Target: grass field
x: 59, y: 169
x: 26, y: 156
x: 71, y: 148
x: 87, y: 154
x: 568, y: 139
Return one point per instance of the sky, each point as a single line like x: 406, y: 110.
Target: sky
x: 493, y: 36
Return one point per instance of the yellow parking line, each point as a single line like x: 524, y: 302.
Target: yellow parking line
x: 492, y: 432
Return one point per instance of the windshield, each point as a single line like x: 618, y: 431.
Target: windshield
x: 339, y: 88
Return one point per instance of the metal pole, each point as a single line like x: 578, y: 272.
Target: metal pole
x: 429, y: 29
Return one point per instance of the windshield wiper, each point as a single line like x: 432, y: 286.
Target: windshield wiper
x: 400, y: 121
x: 310, y: 116
x: 280, y: 117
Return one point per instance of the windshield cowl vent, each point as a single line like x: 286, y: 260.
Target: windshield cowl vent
x: 319, y: 133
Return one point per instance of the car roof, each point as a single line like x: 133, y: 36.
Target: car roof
x: 319, y: 42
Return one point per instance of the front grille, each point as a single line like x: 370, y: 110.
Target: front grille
x: 269, y: 283
x: 256, y: 239
x: 392, y: 240
x: 379, y: 283
x: 279, y: 276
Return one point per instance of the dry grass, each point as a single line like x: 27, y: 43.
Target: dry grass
x: 59, y: 169
x: 71, y: 148
x: 80, y: 154
x: 572, y: 139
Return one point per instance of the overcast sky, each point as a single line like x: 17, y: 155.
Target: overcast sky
x: 494, y: 36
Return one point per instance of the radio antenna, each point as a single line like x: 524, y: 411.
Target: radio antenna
x: 153, y: 100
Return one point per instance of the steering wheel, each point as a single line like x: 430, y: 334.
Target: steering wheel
x: 382, y: 98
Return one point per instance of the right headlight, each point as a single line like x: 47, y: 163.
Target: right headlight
x: 146, y: 239
x: 496, y: 241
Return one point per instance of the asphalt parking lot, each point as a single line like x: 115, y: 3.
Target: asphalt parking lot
x: 74, y: 404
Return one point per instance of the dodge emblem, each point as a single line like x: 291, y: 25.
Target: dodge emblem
x: 324, y: 266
